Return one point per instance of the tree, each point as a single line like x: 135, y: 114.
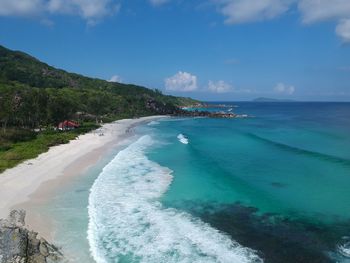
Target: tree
x: 99, y: 103
x: 6, y: 109
x: 62, y: 104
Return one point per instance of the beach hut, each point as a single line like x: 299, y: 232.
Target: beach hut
x: 68, y: 125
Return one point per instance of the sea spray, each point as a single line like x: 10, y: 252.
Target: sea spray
x: 152, y: 123
x: 344, y: 247
x: 182, y: 138
x: 127, y: 223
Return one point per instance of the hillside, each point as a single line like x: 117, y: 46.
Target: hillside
x: 35, y: 98
x: 27, y: 80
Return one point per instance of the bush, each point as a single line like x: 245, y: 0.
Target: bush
x: 17, y: 152
x: 17, y: 135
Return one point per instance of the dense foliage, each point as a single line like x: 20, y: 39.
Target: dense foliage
x: 34, y: 94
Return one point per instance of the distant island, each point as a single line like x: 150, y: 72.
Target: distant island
x: 263, y: 99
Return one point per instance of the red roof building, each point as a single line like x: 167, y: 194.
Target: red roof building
x: 68, y: 125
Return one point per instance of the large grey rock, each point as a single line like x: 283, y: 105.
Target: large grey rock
x: 17, y: 217
x: 19, y: 245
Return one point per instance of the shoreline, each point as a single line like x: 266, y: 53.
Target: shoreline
x: 34, y: 181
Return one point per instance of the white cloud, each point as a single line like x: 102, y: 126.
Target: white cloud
x: 90, y: 10
x: 158, y: 2
x: 284, y: 89
x: 181, y: 81
x: 319, y: 10
x: 311, y: 11
x: 243, y: 11
x: 343, y: 30
x: 20, y: 7
x: 116, y: 78
x: 219, y: 86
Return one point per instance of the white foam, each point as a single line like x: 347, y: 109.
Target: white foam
x: 129, y: 224
x: 152, y: 123
x: 182, y: 139
x: 344, y: 247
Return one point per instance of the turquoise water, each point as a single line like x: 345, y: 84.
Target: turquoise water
x: 272, y: 188
x: 283, y: 169
x: 68, y: 210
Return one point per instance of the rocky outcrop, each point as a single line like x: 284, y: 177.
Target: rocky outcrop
x: 19, y: 245
x: 209, y: 114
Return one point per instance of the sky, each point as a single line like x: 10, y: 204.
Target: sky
x: 224, y: 50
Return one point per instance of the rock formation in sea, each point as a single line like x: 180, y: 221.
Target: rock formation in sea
x: 20, y: 245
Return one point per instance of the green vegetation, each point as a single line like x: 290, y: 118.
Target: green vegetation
x: 17, y: 145
x: 34, y: 94
x: 35, y: 97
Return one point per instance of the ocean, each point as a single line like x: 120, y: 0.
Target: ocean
x: 273, y: 187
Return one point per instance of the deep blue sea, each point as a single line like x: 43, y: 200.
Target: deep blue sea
x: 274, y: 187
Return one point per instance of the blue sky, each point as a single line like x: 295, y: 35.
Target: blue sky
x: 210, y: 49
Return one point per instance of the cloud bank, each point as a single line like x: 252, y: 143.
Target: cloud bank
x: 320, y: 10
x: 243, y: 11
x: 20, y: 7
x: 234, y: 11
x: 219, y: 87
x: 311, y: 11
x: 90, y: 10
x: 343, y: 30
x: 181, y: 81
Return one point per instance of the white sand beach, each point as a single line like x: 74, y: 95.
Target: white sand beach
x: 32, y: 181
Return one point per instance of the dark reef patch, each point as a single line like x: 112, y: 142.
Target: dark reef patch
x: 277, y: 239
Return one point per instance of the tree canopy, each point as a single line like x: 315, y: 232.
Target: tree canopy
x: 34, y: 94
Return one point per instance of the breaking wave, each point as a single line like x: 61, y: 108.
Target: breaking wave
x: 344, y: 247
x: 182, y: 138
x: 127, y: 222
x: 152, y: 123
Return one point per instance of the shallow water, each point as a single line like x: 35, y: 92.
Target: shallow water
x: 272, y: 188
